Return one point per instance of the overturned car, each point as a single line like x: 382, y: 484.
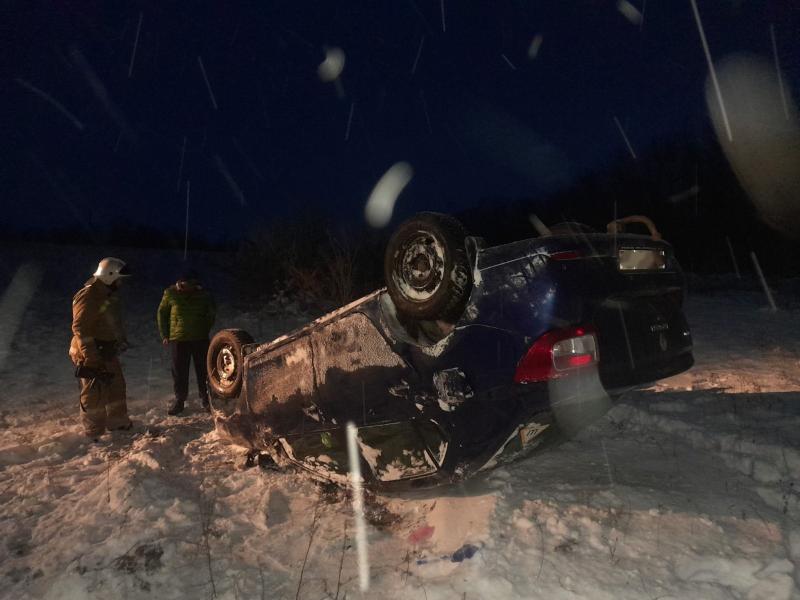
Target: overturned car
x: 470, y: 356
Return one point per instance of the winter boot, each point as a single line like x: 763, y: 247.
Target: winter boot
x: 176, y: 408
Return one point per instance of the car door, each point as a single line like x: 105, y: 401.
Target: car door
x: 281, y: 390
x: 362, y: 380
x: 359, y: 377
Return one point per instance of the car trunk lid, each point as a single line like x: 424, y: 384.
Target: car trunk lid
x: 632, y: 288
x: 629, y: 288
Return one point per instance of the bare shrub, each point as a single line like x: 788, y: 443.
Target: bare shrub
x: 316, y: 263
x: 340, y: 264
x: 305, y: 285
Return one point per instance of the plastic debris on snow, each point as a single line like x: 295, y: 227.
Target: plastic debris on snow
x: 466, y: 551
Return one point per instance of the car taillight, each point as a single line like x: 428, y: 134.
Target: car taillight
x: 558, y: 353
x: 566, y: 255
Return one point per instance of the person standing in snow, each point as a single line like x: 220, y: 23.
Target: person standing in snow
x: 98, y: 337
x: 185, y: 317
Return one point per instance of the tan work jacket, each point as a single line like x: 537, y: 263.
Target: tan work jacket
x: 96, y: 315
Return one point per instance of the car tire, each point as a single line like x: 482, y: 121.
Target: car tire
x: 225, y: 360
x: 427, y: 269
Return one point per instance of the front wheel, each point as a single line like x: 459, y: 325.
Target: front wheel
x: 426, y: 267
x: 225, y: 361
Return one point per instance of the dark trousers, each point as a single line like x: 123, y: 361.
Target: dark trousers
x: 182, y: 353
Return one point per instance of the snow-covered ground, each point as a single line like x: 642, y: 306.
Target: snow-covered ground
x: 684, y: 490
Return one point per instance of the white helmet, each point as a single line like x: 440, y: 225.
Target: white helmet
x: 110, y: 269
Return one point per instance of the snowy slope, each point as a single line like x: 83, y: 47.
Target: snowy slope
x: 684, y: 490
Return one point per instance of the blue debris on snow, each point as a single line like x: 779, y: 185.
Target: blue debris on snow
x: 465, y: 552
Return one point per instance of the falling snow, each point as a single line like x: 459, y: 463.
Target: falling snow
x: 226, y: 174
x: 687, y: 488
x: 419, y: 53
x: 711, y: 69
x: 331, y: 68
x: 625, y: 137
x: 135, y: 44
x: 208, y: 83
x: 55, y: 103
x: 630, y: 12
x: 380, y: 205
x: 535, y: 46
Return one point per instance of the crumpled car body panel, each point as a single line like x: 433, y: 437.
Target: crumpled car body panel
x: 431, y: 411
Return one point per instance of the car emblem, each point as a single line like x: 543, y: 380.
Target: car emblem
x: 662, y: 341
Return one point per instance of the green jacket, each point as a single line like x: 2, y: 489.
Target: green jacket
x: 185, y: 315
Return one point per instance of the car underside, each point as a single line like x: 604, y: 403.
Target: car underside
x: 545, y: 333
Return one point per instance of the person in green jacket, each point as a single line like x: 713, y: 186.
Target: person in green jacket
x: 185, y: 317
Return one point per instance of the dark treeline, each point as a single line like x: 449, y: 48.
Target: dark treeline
x: 130, y: 235
x: 312, y: 259
x: 687, y: 188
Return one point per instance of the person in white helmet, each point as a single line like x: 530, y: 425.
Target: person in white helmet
x: 98, y: 337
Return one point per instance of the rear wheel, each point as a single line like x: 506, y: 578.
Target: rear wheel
x: 224, y: 362
x: 427, y: 269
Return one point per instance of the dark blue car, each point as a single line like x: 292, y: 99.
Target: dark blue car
x: 470, y: 356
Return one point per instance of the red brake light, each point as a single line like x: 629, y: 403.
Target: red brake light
x: 579, y: 360
x: 556, y: 354
x: 566, y: 255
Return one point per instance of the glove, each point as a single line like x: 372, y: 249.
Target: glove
x: 85, y: 372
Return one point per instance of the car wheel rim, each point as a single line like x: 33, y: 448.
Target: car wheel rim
x: 421, y: 267
x: 226, y: 366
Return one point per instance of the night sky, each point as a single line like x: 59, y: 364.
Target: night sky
x: 94, y: 134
